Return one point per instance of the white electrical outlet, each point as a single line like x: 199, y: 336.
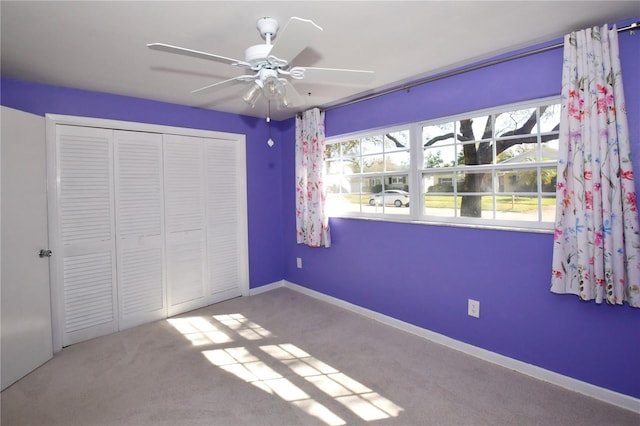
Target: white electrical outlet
x: 474, y: 308
x: 299, y: 262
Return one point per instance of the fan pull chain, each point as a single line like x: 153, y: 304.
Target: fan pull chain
x: 270, y: 141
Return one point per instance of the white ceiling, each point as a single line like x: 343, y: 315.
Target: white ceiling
x: 101, y: 46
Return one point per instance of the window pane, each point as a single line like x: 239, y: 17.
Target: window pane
x: 476, y: 153
x: 548, y: 176
x: 398, y: 209
x: 474, y: 181
x: 519, y: 153
x: 371, y: 144
x: 397, y: 182
x: 475, y: 206
x: 441, y: 156
x: 437, y: 135
x: 334, y: 167
x: 523, y: 120
x: 339, y: 196
x: 351, y: 194
x: 394, y: 199
x: 518, y: 180
x: 548, y: 208
x: 372, y: 163
x: 474, y: 129
x: 517, y: 207
x: 335, y: 184
x: 550, y: 118
x: 396, y: 141
x: 440, y: 205
x: 549, y: 148
x: 437, y: 182
x: 333, y: 151
x: 335, y: 203
x: 397, y: 161
x: 351, y: 147
x: 351, y: 165
x: 372, y: 184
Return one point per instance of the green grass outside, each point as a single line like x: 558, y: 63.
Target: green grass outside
x: 504, y: 203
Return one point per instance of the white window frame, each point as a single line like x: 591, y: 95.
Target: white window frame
x: 416, y: 211
x: 381, y: 174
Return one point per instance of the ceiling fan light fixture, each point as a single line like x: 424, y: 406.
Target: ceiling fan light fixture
x: 273, y: 88
x: 252, y: 95
x: 282, y: 102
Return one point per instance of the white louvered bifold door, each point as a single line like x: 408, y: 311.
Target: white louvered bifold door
x: 86, y: 268
x: 139, y: 227
x: 144, y: 224
x: 185, y: 223
x: 225, y: 216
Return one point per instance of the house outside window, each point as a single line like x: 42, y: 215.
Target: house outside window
x: 495, y: 167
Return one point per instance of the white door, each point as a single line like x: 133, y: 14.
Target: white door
x: 147, y: 224
x: 26, y: 304
x: 82, y: 212
x: 226, y: 219
x: 185, y: 223
x: 139, y: 227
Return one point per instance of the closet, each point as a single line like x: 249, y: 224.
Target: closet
x: 146, y: 222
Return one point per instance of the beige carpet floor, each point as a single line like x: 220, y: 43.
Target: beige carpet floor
x: 283, y: 358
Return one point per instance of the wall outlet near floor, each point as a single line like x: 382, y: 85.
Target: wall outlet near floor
x: 299, y: 262
x: 474, y: 308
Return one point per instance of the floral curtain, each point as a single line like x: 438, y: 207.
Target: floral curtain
x: 312, y: 224
x: 596, y: 244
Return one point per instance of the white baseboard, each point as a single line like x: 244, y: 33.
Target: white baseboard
x: 602, y: 394
x: 266, y: 287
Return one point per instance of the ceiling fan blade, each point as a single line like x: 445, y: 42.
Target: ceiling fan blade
x: 196, y: 54
x: 334, y: 75
x: 294, y: 38
x: 219, y: 83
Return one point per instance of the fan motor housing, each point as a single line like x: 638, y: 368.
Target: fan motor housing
x: 257, y: 55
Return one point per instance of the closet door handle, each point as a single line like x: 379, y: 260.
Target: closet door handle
x: 45, y: 253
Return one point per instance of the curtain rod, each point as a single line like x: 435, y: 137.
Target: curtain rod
x: 632, y: 27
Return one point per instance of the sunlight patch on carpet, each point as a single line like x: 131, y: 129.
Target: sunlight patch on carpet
x: 303, y: 376
x: 362, y: 401
x: 241, y: 325
x: 199, y: 331
x: 245, y: 366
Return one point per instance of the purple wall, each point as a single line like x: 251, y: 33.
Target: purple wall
x: 264, y: 164
x: 424, y: 274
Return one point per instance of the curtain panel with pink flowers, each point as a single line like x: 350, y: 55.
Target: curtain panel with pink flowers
x: 312, y: 224
x: 596, y: 252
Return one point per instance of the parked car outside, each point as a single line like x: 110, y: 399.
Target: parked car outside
x: 390, y: 197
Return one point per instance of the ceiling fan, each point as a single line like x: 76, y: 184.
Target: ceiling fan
x: 270, y: 64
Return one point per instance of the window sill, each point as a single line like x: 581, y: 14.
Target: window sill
x: 515, y: 228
